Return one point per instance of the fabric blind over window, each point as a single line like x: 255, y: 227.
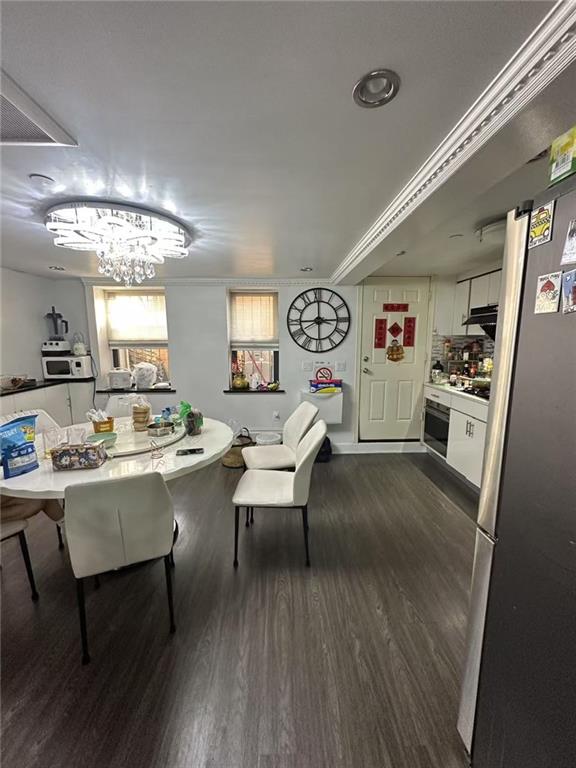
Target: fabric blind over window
x: 135, y: 318
x: 254, y: 318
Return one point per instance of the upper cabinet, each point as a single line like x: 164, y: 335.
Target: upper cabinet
x: 461, y: 305
x: 455, y: 300
x: 494, y: 286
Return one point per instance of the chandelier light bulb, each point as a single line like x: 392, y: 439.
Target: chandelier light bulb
x: 128, y: 240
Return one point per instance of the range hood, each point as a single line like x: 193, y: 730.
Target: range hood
x: 486, y: 317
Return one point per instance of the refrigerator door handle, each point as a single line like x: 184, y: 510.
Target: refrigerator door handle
x: 507, y: 330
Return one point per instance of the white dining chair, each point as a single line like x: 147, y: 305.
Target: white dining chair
x: 119, y: 405
x: 274, y: 488
x: 11, y: 528
x: 44, y: 422
x: 116, y: 523
x: 282, y: 456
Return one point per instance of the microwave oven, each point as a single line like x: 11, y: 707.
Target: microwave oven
x: 60, y: 367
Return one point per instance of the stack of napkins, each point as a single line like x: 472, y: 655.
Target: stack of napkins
x: 326, y: 386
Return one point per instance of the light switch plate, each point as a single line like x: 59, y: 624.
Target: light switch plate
x: 340, y: 365
x: 307, y: 365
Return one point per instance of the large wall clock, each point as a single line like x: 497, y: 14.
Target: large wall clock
x: 318, y: 320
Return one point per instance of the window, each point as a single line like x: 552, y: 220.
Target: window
x: 137, y: 330
x: 253, y: 334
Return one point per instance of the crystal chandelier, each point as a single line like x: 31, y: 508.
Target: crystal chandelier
x: 129, y: 241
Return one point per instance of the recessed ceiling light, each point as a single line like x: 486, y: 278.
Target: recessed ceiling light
x: 40, y: 181
x: 376, y: 88
x: 56, y: 268
x: 306, y: 269
x: 456, y: 234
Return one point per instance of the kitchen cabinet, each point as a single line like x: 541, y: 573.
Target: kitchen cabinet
x: 470, y: 294
x: 466, y: 438
x: 444, y: 307
x: 494, y: 286
x: 56, y: 402
x: 67, y: 403
x: 461, y: 306
x: 80, y: 400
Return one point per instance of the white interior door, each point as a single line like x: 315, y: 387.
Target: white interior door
x: 393, y: 357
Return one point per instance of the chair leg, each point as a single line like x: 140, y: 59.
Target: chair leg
x: 236, y: 526
x: 247, y: 517
x: 60, y: 539
x: 305, y: 526
x: 82, y: 613
x: 28, y: 564
x: 251, y: 515
x: 168, y: 570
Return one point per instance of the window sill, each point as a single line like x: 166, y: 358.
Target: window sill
x: 254, y: 391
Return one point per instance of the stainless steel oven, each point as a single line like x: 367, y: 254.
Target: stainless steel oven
x: 436, y: 426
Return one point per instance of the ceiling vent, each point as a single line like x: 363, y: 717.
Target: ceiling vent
x: 24, y: 123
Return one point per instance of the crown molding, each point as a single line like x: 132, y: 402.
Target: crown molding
x: 240, y: 282
x: 542, y: 57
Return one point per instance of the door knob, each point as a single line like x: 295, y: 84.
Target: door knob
x: 365, y: 370
x: 366, y: 358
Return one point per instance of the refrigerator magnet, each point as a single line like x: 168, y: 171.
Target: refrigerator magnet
x: 548, y: 293
x: 541, y: 220
x: 569, y: 292
x: 569, y: 252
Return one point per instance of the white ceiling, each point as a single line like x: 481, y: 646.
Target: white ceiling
x: 453, y: 247
x: 239, y: 116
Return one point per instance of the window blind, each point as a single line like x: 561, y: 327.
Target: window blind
x: 253, y: 318
x: 136, y: 319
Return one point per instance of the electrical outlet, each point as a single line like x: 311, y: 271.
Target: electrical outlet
x: 340, y: 365
x: 276, y: 415
x: 307, y: 365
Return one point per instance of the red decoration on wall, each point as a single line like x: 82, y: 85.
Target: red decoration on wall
x: 380, y: 333
x: 409, y: 331
x: 395, y: 330
x: 395, y: 307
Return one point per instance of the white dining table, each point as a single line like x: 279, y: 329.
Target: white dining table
x: 47, y: 483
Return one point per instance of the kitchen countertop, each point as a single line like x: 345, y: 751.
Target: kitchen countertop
x: 453, y: 391
x: 41, y: 384
x: 134, y: 391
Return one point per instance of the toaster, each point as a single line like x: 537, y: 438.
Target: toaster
x: 120, y: 378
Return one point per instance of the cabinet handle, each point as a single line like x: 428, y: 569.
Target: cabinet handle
x: 467, y: 428
x: 365, y: 370
x: 471, y: 429
x: 366, y: 358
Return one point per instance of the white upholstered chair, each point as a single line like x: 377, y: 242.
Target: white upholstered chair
x: 12, y: 528
x: 273, y: 488
x: 44, y: 422
x: 282, y: 456
x: 119, y: 405
x: 116, y: 523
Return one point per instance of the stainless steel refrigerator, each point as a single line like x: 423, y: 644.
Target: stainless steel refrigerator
x: 518, y: 701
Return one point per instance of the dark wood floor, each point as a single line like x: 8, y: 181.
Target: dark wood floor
x: 353, y: 663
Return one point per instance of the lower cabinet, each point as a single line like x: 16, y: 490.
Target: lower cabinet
x: 67, y: 403
x: 466, y: 439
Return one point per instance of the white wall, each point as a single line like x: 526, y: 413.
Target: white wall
x: 25, y: 299
x: 198, y: 344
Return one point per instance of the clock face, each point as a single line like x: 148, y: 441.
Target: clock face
x: 318, y: 320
